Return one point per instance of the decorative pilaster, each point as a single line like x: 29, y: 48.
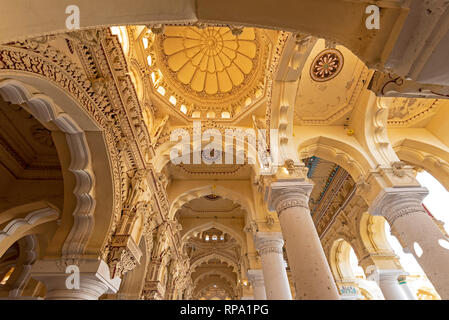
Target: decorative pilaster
x: 310, y: 269
x: 416, y: 231
x: 269, y: 245
x: 255, y: 277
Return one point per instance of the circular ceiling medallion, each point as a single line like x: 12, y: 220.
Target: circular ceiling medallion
x: 210, y: 60
x: 326, y: 65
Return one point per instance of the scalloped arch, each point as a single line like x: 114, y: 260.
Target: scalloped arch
x: 45, y: 110
x: 217, y: 225
x: 205, y: 190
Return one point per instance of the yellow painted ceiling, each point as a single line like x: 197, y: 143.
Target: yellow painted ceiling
x: 210, y: 72
x: 211, y: 59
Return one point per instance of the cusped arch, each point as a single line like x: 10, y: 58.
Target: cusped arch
x: 80, y: 130
x: 246, y: 153
x: 207, y: 274
x: 213, y: 224
x: 188, y: 195
x: 212, y: 256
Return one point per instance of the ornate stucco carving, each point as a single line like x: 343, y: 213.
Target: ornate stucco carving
x: 394, y: 203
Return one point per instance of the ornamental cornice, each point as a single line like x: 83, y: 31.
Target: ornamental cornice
x: 394, y: 203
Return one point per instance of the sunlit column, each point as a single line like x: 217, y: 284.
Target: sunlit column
x: 90, y: 283
x: 406, y: 289
x: 255, y: 277
x: 311, y: 272
x: 388, y: 283
x: 416, y: 231
x: 269, y: 245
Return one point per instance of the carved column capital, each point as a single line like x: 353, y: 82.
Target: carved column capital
x: 286, y: 194
x: 93, y: 276
x: 388, y: 275
x: 268, y: 242
x: 393, y: 203
x: 255, y: 277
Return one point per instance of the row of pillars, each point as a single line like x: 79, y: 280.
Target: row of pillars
x: 311, y: 273
x: 402, y: 207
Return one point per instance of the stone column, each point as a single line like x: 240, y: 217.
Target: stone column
x: 416, y: 231
x: 255, y: 277
x: 388, y: 283
x: 62, y: 282
x: 406, y: 289
x: 269, y: 245
x: 310, y: 269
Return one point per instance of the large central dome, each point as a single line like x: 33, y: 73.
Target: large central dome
x: 211, y: 69
x: 210, y: 60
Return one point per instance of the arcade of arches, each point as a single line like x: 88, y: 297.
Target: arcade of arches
x: 87, y: 120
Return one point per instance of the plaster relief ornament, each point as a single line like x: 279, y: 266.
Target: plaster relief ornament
x: 138, y: 190
x: 327, y: 65
x: 295, y: 170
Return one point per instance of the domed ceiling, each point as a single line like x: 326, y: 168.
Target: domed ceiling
x: 209, y: 72
x: 211, y: 60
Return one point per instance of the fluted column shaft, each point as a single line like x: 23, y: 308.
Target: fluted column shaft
x: 255, y: 277
x: 269, y: 245
x: 308, y: 263
x: 415, y: 229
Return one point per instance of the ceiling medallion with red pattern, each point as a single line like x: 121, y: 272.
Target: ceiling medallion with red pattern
x: 327, y: 65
